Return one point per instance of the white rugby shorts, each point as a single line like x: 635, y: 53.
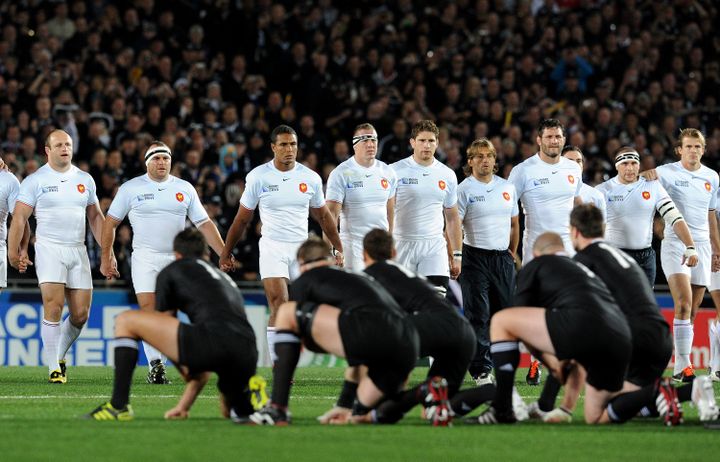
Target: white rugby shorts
x: 145, y: 267
x: 671, y: 256
x: 3, y: 266
x: 278, y: 259
x: 353, y: 253
x: 63, y: 264
x: 427, y: 257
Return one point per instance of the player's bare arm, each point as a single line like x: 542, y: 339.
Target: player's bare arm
x: 453, y: 227
x: 714, y: 240
x: 242, y: 219
x: 96, y: 219
x: 107, y: 241
x: 18, y: 228
x: 329, y: 226
x: 391, y: 214
x: 514, y: 236
x: 193, y: 387
x: 214, y: 240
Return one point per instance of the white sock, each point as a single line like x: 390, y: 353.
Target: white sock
x: 714, y: 333
x: 50, y: 334
x: 68, y: 333
x: 151, y: 353
x: 683, y: 339
x: 271, y: 343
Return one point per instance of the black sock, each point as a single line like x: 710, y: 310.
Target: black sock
x: 506, y: 357
x: 287, y: 349
x: 546, y: 402
x: 466, y: 400
x: 126, y: 356
x: 684, y: 393
x: 347, y: 394
x: 627, y: 405
x: 392, y: 410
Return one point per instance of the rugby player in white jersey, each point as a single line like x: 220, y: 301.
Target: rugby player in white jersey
x: 488, y: 208
x: 9, y: 189
x: 62, y: 197
x: 714, y: 326
x: 548, y: 186
x: 157, y: 205
x: 588, y: 194
x: 631, y: 205
x: 285, y: 191
x: 361, y: 195
x: 693, y: 187
x: 425, y: 203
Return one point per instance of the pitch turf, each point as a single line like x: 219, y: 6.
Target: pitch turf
x: 41, y: 421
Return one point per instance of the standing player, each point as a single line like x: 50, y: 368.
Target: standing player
x: 62, y: 197
x: 361, y: 195
x: 9, y: 189
x: 157, y: 204
x: 588, y: 194
x: 347, y: 315
x: 548, y: 185
x: 425, y: 203
x: 284, y: 190
x: 631, y: 205
x: 488, y: 208
x: 693, y: 187
x: 220, y: 338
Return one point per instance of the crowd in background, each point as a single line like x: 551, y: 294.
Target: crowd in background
x: 212, y: 78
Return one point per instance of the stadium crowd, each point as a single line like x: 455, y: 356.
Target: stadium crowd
x: 212, y: 78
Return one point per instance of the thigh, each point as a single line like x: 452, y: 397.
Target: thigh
x: 596, y: 402
x: 527, y: 324
x: 78, y: 301
x: 3, y: 267
x: 671, y: 256
x: 325, y: 330
x: 53, y: 298
x: 79, y: 275
x: 433, y: 258
x: 681, y: 291
x: 406, y: 254
x: 158, y: 329
x: 353, y: 253
x: 502, y: 282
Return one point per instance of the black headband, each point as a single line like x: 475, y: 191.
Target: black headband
x: 154, y: 151
x: 625, y: 156
x: 359, y: 138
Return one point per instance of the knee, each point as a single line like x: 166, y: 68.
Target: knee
x: 285, y: 317
x: 79, y: 319
x: 123, y: 324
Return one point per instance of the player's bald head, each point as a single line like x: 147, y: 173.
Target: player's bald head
x: 548, y: 244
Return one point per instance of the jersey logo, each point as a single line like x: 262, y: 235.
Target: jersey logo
x: 540, y: 181
x: 682, y: 183
x: 441, y: 184
x: 353, y: 185
x: 571, y: 179
x: 179, y: 197
x: 408, y: 181
x: 384, y: 183
x: 473, y: 199
x: 708, y: 186
x: 81, y: 188
x: 646, y: 195
x: 303, y: 187
x: 506, y: 196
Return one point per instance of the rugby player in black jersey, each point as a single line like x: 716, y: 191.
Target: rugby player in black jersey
x: 220, y: 338
x: 345, y: 314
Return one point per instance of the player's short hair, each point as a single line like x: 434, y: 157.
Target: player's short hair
x: 159, y: 144
x: 424, y: 126
x: 281, y: 130
x: 313, y: 249
x: 690, y: 133
x: 364, y: 126
x: 474, y: 149
x: 190, y: 243
x: 588, y: 219
x: 572, y: 147
x: 378, y: 244
x: 52, y: 132
x: 550, y: 123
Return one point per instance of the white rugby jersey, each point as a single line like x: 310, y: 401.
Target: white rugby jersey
x: 59, y: 201
x: 630, y: 211
x: 591, y: 195
x: 694, y: 194
x: 157, y: 210
x: 547, y: 193
x: 422, y: 195
x: 486, y: 210
x: 284, y: 199
x: 9, y: 189
x: 363, y: 193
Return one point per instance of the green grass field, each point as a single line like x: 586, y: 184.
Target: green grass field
x: 41, y: 421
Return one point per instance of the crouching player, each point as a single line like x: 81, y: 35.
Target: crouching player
x: 345, y: 314
x: 220, y: 338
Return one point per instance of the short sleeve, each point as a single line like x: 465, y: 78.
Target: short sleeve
x: 336, y: 186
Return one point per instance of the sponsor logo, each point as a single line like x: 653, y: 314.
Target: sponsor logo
x: 354, y: 184
x: 571, y: 179
x: 384, y: 183
x: 408, y: 181
x: 426, y: 174
x: 473, y: 199
x: 506, y: 196
x: 145, y: 197
x: 271, y: 188
x: 646, y: 195
x: 682, y: 183
x: 179, y: 197
x: 49, y: 189
x: 81, y: 188
x: 303, y: 187
x: 442, y: 185
x: 708, y: 186
x: 540, y: 181
x: 617, y: 198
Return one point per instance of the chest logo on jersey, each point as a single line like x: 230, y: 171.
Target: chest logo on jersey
x: 81, y: 188
x: 646, y: 195
x: 571, y: 179
x: 354, y: 184
x: 506, y: 196
x: 473, y: 199
x: 682, y: 183
x: 708, y: 186
x: 408, y: 181
x: 145, y: 197
x: 49, y: 189
x: 179, y: 197
x: 303, y: 187
x: 271, y: 188
x: 384, y: 183
x: 441, y: 185
x: 618, y: 198
x: 540, y: 181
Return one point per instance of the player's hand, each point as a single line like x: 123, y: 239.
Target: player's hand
x: 690, y: 257
x: 3, y: 165
x: 650, y: 175
x: 108, y: 268
x: 339, y: 259
x: 455, y: 267
x: 715, y: 265
x: 336, y: 416
x: 177, y: 413
x: 20, y: 261
x: 227, y: 263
